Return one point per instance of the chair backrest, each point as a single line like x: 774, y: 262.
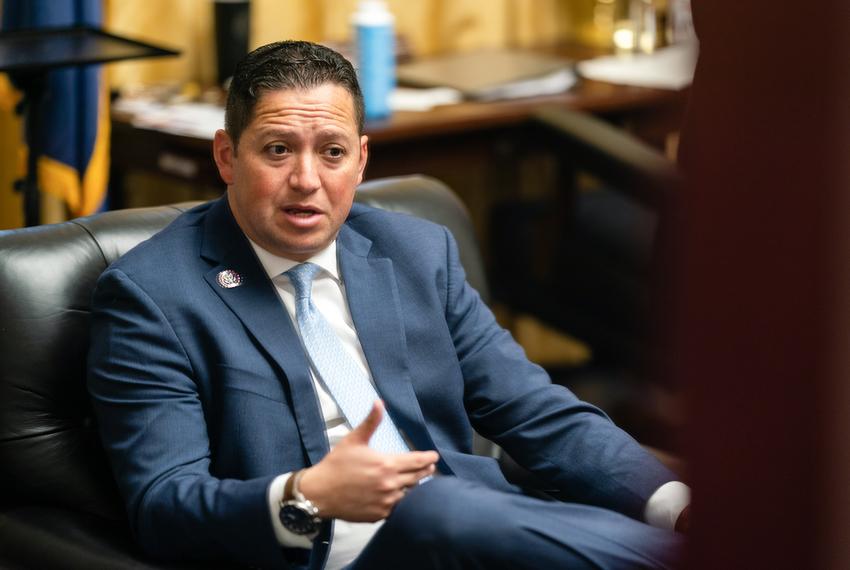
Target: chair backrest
x: 49, y: 449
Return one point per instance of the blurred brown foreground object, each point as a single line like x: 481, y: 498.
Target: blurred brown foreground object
x: 763, y: 285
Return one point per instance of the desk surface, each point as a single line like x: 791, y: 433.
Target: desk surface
x: 591, y: 96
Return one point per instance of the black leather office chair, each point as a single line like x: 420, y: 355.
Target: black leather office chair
x: 59, y: 507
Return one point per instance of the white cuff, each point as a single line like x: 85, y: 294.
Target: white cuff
x: 284, y: 537
x: 666, y: 504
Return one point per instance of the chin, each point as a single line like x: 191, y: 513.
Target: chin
x: 301, y: 251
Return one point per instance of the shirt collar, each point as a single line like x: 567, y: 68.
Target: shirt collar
x: 276, y: 265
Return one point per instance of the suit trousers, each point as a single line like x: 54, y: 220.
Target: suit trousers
x: 449, y: 523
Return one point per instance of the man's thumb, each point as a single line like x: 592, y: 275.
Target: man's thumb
x: 367, y: 427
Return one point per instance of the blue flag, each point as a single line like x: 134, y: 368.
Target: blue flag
x: 74, y: 164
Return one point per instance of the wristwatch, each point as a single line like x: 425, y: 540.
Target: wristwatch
x: 298, y: 514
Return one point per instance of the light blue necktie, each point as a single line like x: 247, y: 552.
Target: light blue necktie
x: 347, y: 382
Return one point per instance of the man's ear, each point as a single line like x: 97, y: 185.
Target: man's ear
x: 223, y: 153
x: 364, y: 155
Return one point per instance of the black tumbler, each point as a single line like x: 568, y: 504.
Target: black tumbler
x: 232, y: 30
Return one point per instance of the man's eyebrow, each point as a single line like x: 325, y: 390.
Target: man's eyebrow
x: 323, y: 133
x: 276, y: 132
x: 331, y: 132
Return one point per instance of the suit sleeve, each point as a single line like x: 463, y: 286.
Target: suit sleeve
x: 153, y: 428
x: 569, y: 444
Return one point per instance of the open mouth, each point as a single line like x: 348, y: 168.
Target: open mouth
x: 300, y: 212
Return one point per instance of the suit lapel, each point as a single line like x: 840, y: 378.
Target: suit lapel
x: 257, y: 305
x: 375, y: 306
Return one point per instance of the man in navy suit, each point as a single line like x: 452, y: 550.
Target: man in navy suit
x: 228, y: 436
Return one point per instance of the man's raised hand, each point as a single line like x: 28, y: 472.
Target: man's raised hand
x: 356, y: 483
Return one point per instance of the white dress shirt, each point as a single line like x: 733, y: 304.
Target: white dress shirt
x: 328, y: 295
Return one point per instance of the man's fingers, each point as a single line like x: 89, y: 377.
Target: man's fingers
x: 415, y: 461
x: 367, y: 427
x: 412, y: 478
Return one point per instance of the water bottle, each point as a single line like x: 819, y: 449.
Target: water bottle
x: 373, y: 29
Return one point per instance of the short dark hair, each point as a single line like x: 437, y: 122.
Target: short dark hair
x: 286, y: 65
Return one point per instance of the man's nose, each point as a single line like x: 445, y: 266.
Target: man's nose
x: 305, y: 175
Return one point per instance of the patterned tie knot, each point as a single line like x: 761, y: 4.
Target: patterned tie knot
x: 301, y: 276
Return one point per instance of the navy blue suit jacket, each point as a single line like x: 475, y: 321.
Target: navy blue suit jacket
x: 203, y: 393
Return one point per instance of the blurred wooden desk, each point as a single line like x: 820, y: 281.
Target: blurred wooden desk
x: 481, y: 150
x: 641, y: 106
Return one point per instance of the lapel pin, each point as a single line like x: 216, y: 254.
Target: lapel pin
x: 229, y: 279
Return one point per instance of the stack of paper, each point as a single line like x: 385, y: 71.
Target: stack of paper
x: 199, y: 120
x: 492, y: 74
x: 671, y: 67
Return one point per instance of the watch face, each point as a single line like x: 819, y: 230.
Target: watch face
x: 295, y: 519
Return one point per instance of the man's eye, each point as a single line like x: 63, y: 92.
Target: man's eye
x: 335, y: 152
x: 278, y: 149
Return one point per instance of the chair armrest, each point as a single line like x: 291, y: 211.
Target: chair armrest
x: 610, y: 153
x: 52, y: 538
